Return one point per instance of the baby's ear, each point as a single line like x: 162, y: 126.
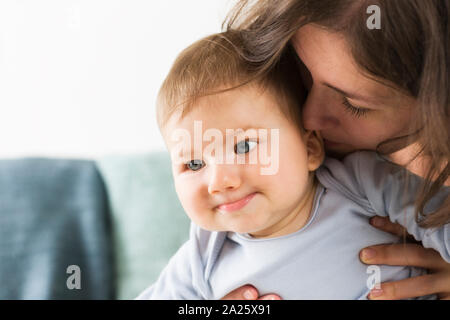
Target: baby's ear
x: 314, y: 146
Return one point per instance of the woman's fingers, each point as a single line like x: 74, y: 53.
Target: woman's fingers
x: 403, y: 254
x: 438, y: 282
x: 407, y: 254
x: 410, y: 288
x: 247, y: 292
x: 386, y: 225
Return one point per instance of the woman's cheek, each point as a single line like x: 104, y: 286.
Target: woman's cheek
x: 358, y: 135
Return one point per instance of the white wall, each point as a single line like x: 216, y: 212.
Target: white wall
x: 79, y: 78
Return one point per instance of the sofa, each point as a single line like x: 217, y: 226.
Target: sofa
x: 86, y: 229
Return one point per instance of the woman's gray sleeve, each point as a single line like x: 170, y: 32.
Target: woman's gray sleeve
x: 392, y: 191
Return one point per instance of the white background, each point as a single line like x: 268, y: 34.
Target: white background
x: 80, y: 78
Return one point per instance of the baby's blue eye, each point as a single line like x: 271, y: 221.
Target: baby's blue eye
x: 244, y: 146
x: 195, y: 165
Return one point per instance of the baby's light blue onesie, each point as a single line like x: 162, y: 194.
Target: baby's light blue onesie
x: 319, y: 261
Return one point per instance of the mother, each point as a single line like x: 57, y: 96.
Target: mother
x: 381, y: 89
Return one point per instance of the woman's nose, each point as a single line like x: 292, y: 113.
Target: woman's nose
x: 316, y: 112
x: 224, y: 177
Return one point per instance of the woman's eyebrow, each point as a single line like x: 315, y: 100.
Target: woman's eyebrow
x: 353, y: 95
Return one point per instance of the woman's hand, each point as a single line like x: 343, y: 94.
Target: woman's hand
x: 408, y: 254
x: 249, y: 292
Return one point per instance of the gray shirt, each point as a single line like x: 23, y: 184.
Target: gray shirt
x: 319, y: 261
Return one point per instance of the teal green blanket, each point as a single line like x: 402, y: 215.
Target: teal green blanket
x: 53, y: 215
x: 149, y: 224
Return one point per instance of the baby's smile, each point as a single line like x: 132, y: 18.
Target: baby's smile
x: 237, y: 204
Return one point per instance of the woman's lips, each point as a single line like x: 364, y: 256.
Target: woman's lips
x: 236, y: 205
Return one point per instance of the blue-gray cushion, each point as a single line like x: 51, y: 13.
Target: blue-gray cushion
x: 53, y: 214
x: 148, y: 221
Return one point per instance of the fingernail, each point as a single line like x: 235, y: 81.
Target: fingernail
x: 368, y: 254
x: 375, y: 293
x: 248, y: 294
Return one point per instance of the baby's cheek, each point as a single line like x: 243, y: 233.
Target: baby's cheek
x: 197, y: 209
x: 190, y: 202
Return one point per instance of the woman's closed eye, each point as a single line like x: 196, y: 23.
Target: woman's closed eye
x: 354, y: 110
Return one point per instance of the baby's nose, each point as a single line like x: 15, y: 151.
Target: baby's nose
x: 224, y: 177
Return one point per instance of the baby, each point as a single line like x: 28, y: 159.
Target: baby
x: 266, y: 209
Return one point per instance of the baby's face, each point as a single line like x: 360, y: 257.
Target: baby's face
x: 259, y: 182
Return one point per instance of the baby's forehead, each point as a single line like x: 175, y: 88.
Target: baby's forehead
x: 229, y: 110
x: 210, y: 128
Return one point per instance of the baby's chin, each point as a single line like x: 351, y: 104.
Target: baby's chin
x: 225, y: 228
x: 225, y: 224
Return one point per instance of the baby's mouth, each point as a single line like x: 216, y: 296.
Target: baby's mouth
x: 236, y: 205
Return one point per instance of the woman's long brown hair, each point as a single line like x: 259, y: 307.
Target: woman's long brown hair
x: 410, y: 53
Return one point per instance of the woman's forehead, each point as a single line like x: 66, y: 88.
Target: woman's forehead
x: 328, y: 58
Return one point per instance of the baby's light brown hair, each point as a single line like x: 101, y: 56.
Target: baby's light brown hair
x: 214, y: 64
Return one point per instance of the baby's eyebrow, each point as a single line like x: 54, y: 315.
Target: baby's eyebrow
x: 234, y: 132
x: 244, y: 129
